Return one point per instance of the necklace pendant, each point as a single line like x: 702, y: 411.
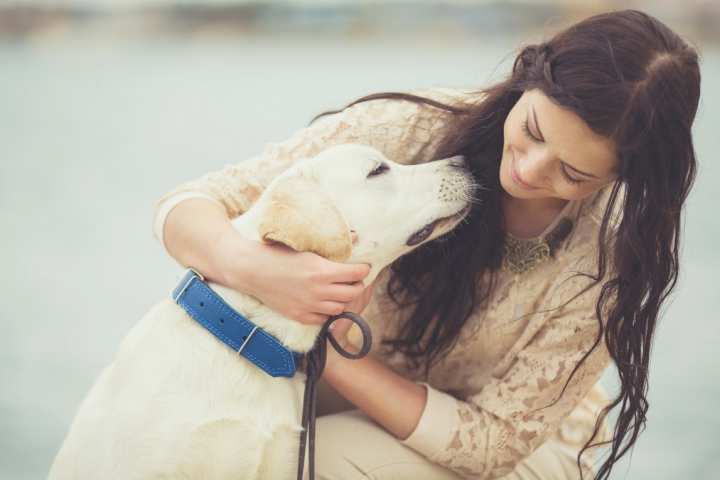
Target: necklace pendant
x: 522, y: 255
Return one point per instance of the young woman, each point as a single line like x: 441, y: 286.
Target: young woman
x: 490, y: 344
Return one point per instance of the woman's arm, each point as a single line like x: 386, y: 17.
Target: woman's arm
x: 391, y: 400
x: 485, y: 435
x: 192, y: 221
x: 302, y: 286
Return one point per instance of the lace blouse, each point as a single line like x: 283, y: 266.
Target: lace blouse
x: 497, y: 395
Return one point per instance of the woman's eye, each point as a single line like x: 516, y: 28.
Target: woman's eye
x: 378, y: 170
x: 567, y: 177
x: 528, y: 133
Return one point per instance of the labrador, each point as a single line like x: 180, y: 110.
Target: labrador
x: 178, y: 403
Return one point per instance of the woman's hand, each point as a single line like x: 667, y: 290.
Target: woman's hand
x: 300, y: 285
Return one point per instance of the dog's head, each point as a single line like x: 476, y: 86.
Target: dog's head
x: 351, y: 204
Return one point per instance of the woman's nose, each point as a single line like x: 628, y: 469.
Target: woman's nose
x: 533, y: 169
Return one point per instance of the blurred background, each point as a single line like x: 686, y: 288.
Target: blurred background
x: 105, y: 105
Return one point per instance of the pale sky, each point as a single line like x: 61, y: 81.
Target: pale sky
x: 125, y: 4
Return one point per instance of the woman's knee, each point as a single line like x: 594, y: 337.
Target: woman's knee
x: 350, y: 446
x: 548, y: 462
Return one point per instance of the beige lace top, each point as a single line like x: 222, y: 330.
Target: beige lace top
x: 484, y: 412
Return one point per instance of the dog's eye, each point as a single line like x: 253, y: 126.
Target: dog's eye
x: 378, y: 170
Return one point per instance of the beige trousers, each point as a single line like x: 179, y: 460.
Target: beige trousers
x: 351, y: 446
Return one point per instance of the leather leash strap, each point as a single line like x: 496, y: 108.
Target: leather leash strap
x: 315, y: 365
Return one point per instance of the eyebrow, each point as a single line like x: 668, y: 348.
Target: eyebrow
x: 537, y: 126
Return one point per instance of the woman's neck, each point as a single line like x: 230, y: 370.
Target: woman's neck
x: 528, y: 218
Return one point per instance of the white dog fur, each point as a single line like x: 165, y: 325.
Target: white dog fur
x: 179, y: 404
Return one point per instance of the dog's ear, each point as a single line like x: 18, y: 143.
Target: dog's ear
x: 301, y: 215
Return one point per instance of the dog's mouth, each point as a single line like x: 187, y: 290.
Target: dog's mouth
x: 422, y: 234
x: 425, y: 232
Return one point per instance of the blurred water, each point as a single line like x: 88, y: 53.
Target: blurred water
x: 94, y: 130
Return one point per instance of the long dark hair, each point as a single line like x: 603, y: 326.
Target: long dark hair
x: 632, y: 79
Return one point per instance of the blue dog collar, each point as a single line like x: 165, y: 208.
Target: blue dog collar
x: 236, y: 331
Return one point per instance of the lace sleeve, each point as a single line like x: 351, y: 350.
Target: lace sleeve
x: 522, y: 407
x: 399, y: 129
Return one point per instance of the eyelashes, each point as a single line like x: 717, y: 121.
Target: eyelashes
x: 534, y: 139
x: 528, y: 134
x: 567, y: 177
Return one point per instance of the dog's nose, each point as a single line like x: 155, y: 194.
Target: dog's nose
x: 459, y: 161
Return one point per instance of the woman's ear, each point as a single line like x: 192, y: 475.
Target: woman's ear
x: 301, y: 215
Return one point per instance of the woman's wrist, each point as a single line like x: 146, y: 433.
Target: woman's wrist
x: 236, y: 259
x: 335, y: 361
x: 198, y: 234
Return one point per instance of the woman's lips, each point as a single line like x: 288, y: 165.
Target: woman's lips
x: 516, y: 178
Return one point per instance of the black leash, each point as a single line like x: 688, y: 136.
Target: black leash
x: 315, y: 366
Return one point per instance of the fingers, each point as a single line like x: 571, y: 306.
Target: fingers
x: 304, y: 286
x: 356, y: 272
x: 342, y: 273
x: 323, y: 311
x: 317, y: 307
x: 358, y: 298
x: 331, y: 308
x: 358, y: 305
x: 342, y: 293
x: 312, y: 318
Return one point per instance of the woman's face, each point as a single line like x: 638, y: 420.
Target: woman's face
x: 549, y: 152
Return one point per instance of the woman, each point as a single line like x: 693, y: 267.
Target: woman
x: 585, y: 158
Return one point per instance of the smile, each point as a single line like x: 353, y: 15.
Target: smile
x: 516, y: 177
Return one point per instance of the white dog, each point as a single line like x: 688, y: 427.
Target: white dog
x: 179, y: 404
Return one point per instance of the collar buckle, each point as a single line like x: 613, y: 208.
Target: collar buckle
x: 185, y: 280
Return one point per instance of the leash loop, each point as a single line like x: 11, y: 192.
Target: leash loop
x: 315, y: 365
